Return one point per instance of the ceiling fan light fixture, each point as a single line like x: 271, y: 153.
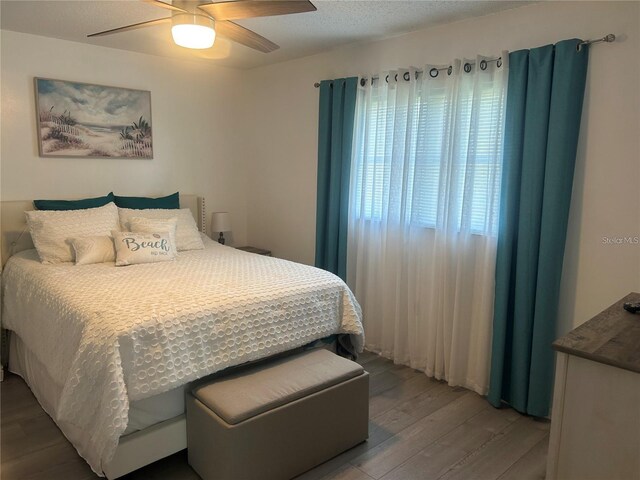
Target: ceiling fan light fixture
x: 191, y: 30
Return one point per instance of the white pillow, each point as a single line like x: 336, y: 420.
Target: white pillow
x: 133, y: 248
x: 187, y: 235
x: 93, y: 250
x: 51, y: 230
x: 153, y: 225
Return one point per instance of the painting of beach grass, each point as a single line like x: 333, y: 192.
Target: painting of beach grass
x: 85, y: 120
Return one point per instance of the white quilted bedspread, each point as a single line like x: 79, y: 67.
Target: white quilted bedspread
x: 111, y: 335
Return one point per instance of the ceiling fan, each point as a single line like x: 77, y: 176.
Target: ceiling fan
x: 195, y: 24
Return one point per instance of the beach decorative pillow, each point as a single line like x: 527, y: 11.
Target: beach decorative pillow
x: 133, y: 248
x: 187, y: 234
x: 51, y: 230
x: 98, y: 249
x: 152, y: 225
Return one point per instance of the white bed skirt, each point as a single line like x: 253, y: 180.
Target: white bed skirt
x: 142, y: 413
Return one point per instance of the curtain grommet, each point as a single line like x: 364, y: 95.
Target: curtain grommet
x: 449, y: 70
x: 467, y: 67
x: 433, y: 73
x: 483, y: 65
x: 499, y: 62
x: 406, y: 76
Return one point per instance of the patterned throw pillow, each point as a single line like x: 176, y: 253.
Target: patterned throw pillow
x: 93, y: 250
x: 51, y: 230
x: 187, y: 234
x: 133, y: 248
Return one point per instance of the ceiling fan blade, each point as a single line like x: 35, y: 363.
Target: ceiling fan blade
x: 132, y: 27
x: 246, y: 37
x: 168, y: 6
x: 239, y: 9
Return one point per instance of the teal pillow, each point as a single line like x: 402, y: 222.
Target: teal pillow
x: 170, y: 202
x: 74, y: 204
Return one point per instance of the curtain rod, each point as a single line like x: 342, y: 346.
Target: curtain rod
x: 434, y: 71
x: 607, y: 39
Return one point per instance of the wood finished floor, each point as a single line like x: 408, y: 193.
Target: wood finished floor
x: 419, y: 428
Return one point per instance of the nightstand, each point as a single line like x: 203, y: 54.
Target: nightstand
x: 259, y: 251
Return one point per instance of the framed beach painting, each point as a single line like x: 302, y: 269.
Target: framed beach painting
x: 85, y: 120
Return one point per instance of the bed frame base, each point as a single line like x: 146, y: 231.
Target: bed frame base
x: 146, y: 446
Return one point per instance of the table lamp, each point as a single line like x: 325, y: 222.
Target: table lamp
x: 221, y: 222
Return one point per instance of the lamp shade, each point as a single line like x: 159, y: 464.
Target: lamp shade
x: 192, y: 30
x: 220, y: 222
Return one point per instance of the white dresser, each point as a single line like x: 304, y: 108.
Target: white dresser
x: 595, y: 422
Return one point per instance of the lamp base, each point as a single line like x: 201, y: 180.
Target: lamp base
x: 221, y: 239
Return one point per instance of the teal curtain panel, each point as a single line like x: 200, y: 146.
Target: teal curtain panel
x: 544, y: 106
x: 335, y: 142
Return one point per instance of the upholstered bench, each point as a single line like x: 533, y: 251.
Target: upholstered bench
x: 278, y: 419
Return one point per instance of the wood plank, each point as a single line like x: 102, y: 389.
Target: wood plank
x: 438, y: 458
x: 72, y: 468
x: 406, y: 372
x: 431, y: 400
x: 382, y: 381
x: 347, y: 472
x: 387, y: 424
x: 174, y: 467
x: 499, y: 453
x: 531, y: 466
x: 430, y: 463
x: 398, y: 449
x: 378, y: 365
x: 497, y: 419
x: 18, y: 402
x: 13, y: 389
x: 39, y: 464
x: 402, y: 393
x: 478, y: 430
x: 29, y: 436
x: 365, y: 357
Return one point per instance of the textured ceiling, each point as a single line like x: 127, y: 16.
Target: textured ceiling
x: 337, y: 22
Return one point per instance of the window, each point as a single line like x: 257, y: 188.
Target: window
x: 428, y: 152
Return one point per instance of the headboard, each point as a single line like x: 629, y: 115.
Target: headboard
x: 15, y: 237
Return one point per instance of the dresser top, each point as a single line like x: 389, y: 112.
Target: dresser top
x: 611, y: 337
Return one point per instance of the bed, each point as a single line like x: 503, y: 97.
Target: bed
x: 108, y: 351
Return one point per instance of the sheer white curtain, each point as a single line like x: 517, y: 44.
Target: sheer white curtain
x: 423, y: 220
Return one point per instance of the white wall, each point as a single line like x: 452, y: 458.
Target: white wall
x: 282, y: 104
x: 193, y: 117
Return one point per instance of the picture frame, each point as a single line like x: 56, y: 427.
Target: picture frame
x: 86, y: 120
